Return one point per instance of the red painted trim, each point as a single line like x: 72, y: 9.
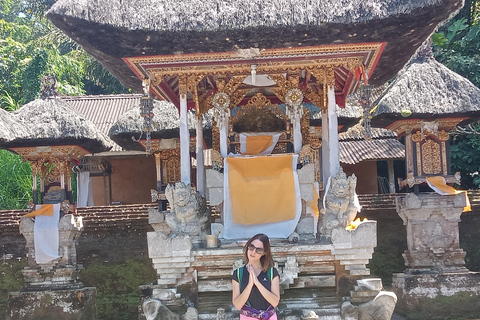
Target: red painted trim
x: 170, y: 94
x: 376, y: 60
x: 340, y: 99
x: 140, y: 76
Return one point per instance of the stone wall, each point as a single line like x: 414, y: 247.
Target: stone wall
x: 114, y: 234
x: 111, y: 235
x: 126, y: 172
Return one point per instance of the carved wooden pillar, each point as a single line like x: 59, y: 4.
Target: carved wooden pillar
x: 68, y: 177
x: 42, y: 178
x: 409, y: 154
x: 391, y: 176
x: 158, y: 167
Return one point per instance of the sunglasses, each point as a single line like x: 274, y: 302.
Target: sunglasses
x: 251, y: 247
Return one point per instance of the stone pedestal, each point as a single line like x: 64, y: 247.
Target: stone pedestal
x: 74, y: 304
x: 354, y: 248
x: 60, y: 273
x: 52, y: 289
x: 432, y: 232
x: 435, y: 261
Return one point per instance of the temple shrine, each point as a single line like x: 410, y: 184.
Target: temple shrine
x: 257, y: 74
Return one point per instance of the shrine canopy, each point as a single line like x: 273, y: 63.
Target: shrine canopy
x: 50, y: 122
x: 9, y: 127
x: 199, y: 46
x: 130, y: 127
x: 426, y: 91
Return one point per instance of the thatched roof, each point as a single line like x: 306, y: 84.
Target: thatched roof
x: 427, y: 89
x: 52, y: 122
x: 113, y: 29
x: 167, y: 124
x: 9, y: 127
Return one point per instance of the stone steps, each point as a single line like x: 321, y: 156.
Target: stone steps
x: 293, y: 302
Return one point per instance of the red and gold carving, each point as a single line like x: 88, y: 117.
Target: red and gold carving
x: 444, y: 124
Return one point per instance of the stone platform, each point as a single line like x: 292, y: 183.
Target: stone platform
x: 314, y: 276
x: 412, y: 288
x: 76, y: 304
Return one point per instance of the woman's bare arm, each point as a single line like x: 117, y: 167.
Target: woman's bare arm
x: 239, y: 299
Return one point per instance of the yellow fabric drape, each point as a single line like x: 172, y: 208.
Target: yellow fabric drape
x: 314, y: 202
x: 45, y: 210
x: 261, y: 189
x: 438, y: 184
x: 257, y: 144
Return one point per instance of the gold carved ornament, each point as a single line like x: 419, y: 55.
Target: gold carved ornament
x: 315, y: 137
x: 243, y: 69
x: 259, y: 101
x: 305, y: 126
x: 431, y: 160
x: 301, y: 52
x: 170, y: 160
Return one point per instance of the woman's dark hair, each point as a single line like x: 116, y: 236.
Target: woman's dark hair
x: 266, y: 260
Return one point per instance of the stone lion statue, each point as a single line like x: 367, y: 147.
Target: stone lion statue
x: 188, y: 212
x: 340, y: 208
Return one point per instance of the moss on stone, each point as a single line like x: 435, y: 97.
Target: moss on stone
x: 11, y: 279
x: 462, y: 305
x: 117, y: 287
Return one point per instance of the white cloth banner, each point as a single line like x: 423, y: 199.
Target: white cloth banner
x: 243, y: 140
x: 84, y: 190
x: 223, y: 142
x: 45, y: 236
x: 281, y: 229
x: 297, y: 135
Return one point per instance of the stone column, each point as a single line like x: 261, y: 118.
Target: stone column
x: 184, y: 141
x: 200, y: 159
x: 325, y: 149
x: 330, y: 146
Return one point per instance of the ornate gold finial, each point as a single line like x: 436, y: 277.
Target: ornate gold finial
x: 49, y: 87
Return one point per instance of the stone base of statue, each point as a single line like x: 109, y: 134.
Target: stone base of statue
x: 71, y: 304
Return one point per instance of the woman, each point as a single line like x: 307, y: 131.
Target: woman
x: 256, y: 286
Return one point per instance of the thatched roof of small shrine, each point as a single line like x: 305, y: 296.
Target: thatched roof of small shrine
x: 113, y: 29
x: 167, y: 125
x: 51, y: 122
x: 9, y: 127
x: 427, y: 89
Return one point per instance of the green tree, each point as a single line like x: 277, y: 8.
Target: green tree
x: 457, y: 45
x: 465, y: 157
x: 15, y: 181
x: 32, y: 47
